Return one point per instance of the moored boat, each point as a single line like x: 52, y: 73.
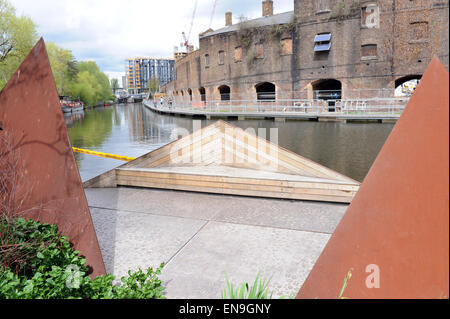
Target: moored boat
x: 70, y: 106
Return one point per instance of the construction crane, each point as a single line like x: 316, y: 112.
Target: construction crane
x: 212, y: 13
x: 186, y: 39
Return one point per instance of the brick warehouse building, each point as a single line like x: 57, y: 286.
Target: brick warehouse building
x: 322, y: 49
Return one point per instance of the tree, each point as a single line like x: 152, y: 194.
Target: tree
x: 91, y: 84
x: 153, y: 84
x: 64, y: 67
x: 115, y: 85
x: 17, y: 37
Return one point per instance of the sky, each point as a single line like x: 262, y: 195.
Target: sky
x: 111, y: 31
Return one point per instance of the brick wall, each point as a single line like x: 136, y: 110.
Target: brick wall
x: 408, y: 35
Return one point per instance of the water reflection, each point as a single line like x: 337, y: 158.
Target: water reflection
x: 132, y: 130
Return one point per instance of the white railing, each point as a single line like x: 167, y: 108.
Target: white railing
x: 349, y: 107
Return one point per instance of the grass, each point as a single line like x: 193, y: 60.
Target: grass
x: 259, y: 290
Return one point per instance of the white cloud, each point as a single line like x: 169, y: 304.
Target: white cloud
x: 110, y: 31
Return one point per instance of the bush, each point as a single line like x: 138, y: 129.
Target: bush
x: 38, y: 262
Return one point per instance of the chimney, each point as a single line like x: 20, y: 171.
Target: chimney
x: 267, y: 8
x: 228, y: 18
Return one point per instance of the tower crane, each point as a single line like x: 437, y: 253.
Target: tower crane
x: 212, y: 13
x: 186, y: 39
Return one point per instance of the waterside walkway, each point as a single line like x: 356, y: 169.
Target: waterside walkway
x: 382, y: 110
x: 203, y: 237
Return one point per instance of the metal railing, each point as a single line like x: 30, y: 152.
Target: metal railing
x: 313, y: 107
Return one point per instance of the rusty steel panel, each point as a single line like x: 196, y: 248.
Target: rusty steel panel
x: 395, y: 234
x: 50, y: 190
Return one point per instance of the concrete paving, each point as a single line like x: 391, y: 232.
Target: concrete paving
x: 204, y: 237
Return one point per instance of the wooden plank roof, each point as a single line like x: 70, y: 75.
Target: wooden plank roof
x: 222, y: 158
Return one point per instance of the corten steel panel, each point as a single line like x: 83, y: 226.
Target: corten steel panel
x: 399, y: 219
x: 31, y: 114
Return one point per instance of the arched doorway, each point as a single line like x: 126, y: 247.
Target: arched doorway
x: 225, y: 92
x: 329, y: 90
x: 202, y: 92
x: 406, y: 85
x: 190, y: 94
x: 265, y: 91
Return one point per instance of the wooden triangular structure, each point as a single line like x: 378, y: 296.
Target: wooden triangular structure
x: 394, y: 237
x: 35, y: 143
x: 222, y: 158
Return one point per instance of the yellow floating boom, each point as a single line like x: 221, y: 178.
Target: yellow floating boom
x: 106, y: 155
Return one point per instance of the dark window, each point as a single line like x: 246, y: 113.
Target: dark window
x: 202, y: 92
x: 225, y: 93
x: 266, y: 91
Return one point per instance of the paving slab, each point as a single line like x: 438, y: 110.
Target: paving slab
x: 203, y: 237
x: 241, y: 251
x: 288, y: 214
x: 112, y: 198
x: 130, y: 241
x: 295, y: 215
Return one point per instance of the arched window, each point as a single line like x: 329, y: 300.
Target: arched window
x: 265, y: 91
x: 225, y: 93
x: 202, y: 92
x: 406, y: 85
x: 329, y: 90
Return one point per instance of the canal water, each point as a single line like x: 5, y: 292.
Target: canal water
x: 133, y: 130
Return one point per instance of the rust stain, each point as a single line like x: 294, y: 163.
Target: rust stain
x: 35, y: 125
x: 399, y: 219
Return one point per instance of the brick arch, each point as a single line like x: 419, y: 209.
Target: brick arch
x: 402, y: 80
x: 266, y: 91
x: 224, y: 92
x: 326, y: 89
x: 202, y: 92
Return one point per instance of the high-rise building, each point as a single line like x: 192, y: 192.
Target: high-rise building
x: 141, y: 70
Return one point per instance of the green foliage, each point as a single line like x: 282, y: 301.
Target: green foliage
x: 251, y: 57
x: 344, y: 286
x: 354, y: 7
x: 50, y: 269
x: 340, y: 13
x: 17, y: 37
x: 91, y: 85
x: 247, y: 34
x: 64, y: 67
x: 259, y: 290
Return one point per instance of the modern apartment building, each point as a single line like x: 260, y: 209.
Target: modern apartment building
x: 140, y: 70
